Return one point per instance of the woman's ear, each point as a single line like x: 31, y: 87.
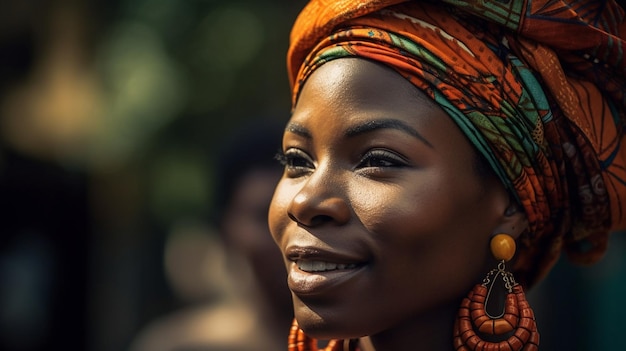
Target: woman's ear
x: 513, y: 221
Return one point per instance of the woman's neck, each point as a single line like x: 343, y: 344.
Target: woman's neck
x: 431, y: 331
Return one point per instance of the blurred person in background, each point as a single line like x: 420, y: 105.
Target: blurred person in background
x: 250, y: 307
x: 103, y: 109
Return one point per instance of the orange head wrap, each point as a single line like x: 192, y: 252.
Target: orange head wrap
x: 537, y: 86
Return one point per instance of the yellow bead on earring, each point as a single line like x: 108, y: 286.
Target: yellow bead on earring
x: 503, y: 247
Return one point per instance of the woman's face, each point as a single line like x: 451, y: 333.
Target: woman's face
x: 380, y: 214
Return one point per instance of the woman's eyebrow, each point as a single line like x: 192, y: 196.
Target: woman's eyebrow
x: 386, y: 124
x: 298, y: 129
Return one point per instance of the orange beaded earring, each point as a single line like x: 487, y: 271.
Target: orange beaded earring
x: 513, y: 326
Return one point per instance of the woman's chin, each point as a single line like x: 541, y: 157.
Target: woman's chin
x: 323, y: 328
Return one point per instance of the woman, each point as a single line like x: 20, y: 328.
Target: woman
x: 427, y: 141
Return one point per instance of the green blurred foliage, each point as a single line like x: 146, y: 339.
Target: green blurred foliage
x: 179, y: 74
x: 125, y: 102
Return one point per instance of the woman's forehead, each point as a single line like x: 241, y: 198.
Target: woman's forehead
x: 350, y: 85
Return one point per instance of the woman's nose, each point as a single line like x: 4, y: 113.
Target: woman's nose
x: 317, y: 203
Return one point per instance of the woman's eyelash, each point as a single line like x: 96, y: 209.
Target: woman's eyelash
x: 294, y: 159
x: 372, y: 158
x: 281, y: 157
x: 382, y: 158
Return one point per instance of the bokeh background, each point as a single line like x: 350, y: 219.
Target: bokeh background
x: 110, y: 115
x: 110, y: 112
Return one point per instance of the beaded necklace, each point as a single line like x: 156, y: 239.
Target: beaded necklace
x: 298, y: 341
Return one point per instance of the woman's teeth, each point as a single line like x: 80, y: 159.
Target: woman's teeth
x: 320, y: 266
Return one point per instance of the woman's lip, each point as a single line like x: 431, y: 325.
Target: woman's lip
x: 319, y: 275
x: 314, y: 283
x: 308, y: 253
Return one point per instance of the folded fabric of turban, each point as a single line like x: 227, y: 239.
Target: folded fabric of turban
x: 538, y: 87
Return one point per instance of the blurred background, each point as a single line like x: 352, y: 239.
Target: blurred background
x: 119, y: 130
x: 111, y: 116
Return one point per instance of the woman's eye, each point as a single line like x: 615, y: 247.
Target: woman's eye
x: 382, y: 159
x: 295, y: 161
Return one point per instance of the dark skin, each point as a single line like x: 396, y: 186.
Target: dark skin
x: 382, y: 218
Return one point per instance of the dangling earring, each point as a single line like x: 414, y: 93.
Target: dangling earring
x: 515, y: 325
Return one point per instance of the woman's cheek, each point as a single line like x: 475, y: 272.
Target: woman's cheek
x: 385, y: 212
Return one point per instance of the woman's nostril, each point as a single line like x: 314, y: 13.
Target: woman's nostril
x: 292, y: 217
x: 320, y: 219
x: 311, y: 221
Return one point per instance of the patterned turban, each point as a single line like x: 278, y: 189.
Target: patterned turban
x: 537, y: 86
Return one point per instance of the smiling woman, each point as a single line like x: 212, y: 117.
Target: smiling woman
x: 433, y: 147
x: 397, y: 210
